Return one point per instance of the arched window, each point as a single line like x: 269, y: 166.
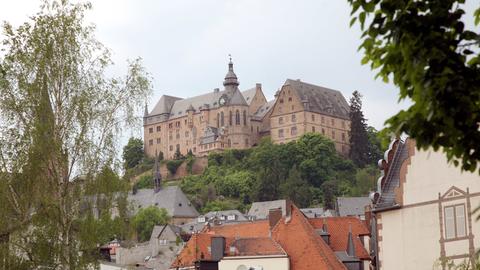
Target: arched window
x: 222, y: 123
x: 229, y: 143
x: 237, y: 118
x: 244, y: 118
x: 230, y: 118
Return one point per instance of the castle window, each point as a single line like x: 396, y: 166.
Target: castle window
x: 313, y: 117
x: 171, y: 148
x: 455, y: 225
x: 323, y: 131
x: 313, y: 129
x: 229, y: 143
x: 280, y: 109
x: 280, y: 120
x: 343, y: 136
x: 177, y: 124
x: 222, y: 122
x: 333, y: 122
x: 186, y: 134
x: 230, y: 119
x: 159, y: 140
x: 323, y: 120
x: 150, y: 130
x: 333, y: 134
x: 293, y: 131
x: 185, y: 121
x: 158, y: 129
x: 150, y: 142
x: 290, y: 99
x: 244, y: 118
x: 170, y: 125
x: 177, y: 147
x: 237, y: 117
x: 281, y: 101
x: 294, y: 118
x: 280, y: 133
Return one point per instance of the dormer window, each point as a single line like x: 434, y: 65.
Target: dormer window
x: 201, y: 219
x: 231, y: 217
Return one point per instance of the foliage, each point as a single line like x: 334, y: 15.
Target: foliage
x: 359, y: 143
x: 147, y: 218
x: 190, y: 160
x: 177, y: 155
x: 59, y: 119
x: 145, y: 181
x: 172, y: 165
x: 425, y: 48
x: 132, y: 153
x: 329, y: 190
x: 296, y: 170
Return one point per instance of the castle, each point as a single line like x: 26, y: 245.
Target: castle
x: 234, y: 119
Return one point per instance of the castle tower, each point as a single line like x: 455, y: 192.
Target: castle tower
x: 231, y: 80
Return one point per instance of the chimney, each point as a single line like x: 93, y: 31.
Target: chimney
x: 350, y: 245
x: 258, y: 87
x: 217, y: 247
x: 274, y: 215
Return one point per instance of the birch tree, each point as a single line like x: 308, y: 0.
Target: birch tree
x: 60, y: 117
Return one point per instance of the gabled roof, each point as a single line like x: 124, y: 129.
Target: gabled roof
x: 196, y: 225
x: 320, y: 99
x: 237, y: 98
x: 171, y: 198
x: 164, y: 105
x: 264, y: 109
x: 305, y: 248
x: 338, y: 228
x: 352, y: 206
x: 260, y: 210
x: 249, y: 94
x: 197, y: 247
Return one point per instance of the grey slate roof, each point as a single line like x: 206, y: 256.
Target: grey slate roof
x: 352, y: 206
x: 171, y: 198
x: 264, y: 109
x: 211, y: 217
x: 249, y: 94
x: 164, y: 105
x: 260, y: 210
x: 320, y: 99
x: 159, y: 229
x: 316, y: 212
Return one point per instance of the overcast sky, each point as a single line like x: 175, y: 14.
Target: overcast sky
x: 185, y: 45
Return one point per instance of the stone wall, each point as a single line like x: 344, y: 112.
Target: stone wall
x: 126, y: 256
x: 198, y: 167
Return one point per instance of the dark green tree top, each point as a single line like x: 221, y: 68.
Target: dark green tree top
x: 359, y: 143
x: 425, y: 48
x: 133, y: 153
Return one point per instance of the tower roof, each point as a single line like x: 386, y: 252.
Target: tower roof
x: 231, y: 78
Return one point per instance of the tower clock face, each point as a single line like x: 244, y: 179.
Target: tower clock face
x: 222, y: 100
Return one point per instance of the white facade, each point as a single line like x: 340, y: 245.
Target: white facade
x: 280, y: 262
x: 432, y: 221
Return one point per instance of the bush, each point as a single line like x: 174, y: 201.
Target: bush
x: 172, y: 165
x: 146, y: 219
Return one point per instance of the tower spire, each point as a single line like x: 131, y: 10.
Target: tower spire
x: 350, y: 245
x: 157, y: 179
x: 231, y: 81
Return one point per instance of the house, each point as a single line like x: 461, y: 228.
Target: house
x: 213, y: 217
x: 352, y: 206
x: 157, y: 253
x: 422, y: 212
x: 260, y: 210
x: 290, y: 241
x: 234, y: 119
x: 172, y: 198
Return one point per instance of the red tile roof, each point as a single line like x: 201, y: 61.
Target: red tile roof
x: 256, y: 246
x: 303, y: 245
x: 338, y: 228
x: 197, y: 247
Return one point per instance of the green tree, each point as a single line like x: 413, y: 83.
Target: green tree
x: 146, y: 219
x: 375, y: 149
x: 296, y: 189
x: 359, y: 144
x: 425, y: 48
x: 59, y: 119
x: 329, y: 190
x: 133, y: 153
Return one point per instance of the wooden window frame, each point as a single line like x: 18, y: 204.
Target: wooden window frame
x: 456, y: 236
